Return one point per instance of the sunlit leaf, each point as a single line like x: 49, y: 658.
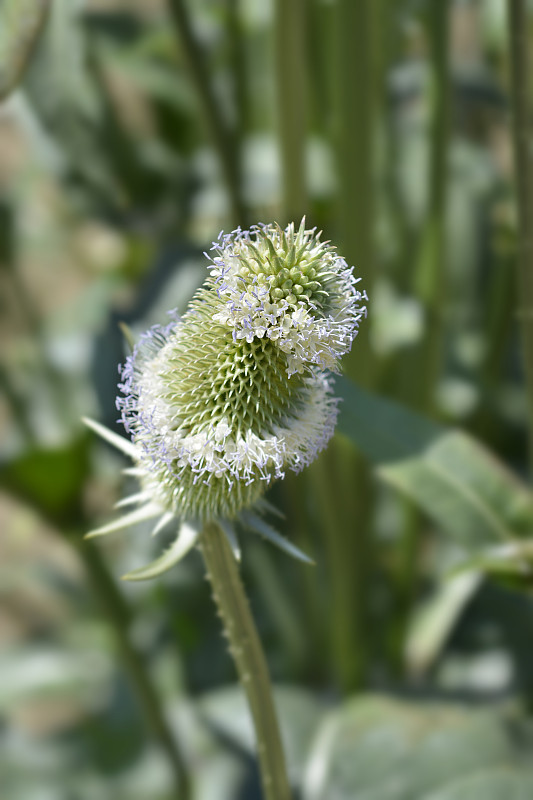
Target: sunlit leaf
x: 435, y: 619
x: 494, y: 784
x: 453, y: 478
x: 376, y: 747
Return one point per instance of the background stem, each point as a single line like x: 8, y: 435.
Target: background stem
x: 431, y: 269
x: 291, y: 91
x: 520, y: 98
x: 219, y: 130
x: 249, y: 658
x: 118, y: 614
x: 348, y: 525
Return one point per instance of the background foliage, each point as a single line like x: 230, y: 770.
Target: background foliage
x: 130, y: 134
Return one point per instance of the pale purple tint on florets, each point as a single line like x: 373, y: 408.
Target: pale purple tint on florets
x: 149, y: 344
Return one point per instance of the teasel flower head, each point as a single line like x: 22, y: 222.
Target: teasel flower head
x: 222, y: 401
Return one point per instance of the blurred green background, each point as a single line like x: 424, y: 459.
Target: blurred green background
x: 132, y: 131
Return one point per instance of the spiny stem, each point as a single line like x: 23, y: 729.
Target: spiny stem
x: 119, y: 616
x: 520, y: 97
x: 249, y: 658
x: 219, y: 129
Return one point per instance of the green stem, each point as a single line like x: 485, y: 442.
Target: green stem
x: 520, y: 97
x: 344, y: 496
x: 118, y: 614
x: 404, y: 579
x: 274, y: 589
x: 350, y: 549
x: 239, y: 71
x: 430, y: 276
x: 218, y: 128
x: 249, y: 658
x: 17, y: 406
x: 21, y: 24
x: 355, y: 124
x: 291, y: 91
x: 294, y: 489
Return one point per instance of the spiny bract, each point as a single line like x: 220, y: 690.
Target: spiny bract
x: 223, y: 400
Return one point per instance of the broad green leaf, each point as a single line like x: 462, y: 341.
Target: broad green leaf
x: 453, y: 478
x: 28, y: 673
x: 21, y: 22
x: 511, y: 564
x: 383, y: 430
x: 496, y: 784
x: 378, y: 748
x: 458, y: 483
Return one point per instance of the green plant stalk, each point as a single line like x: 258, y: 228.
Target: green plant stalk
x: 277, y: 595
x: 223, y: 140
x: 342, y: 508
x: 430, y: 274
x: 294, y: 490
x: 291, y: 94
x: 16, y: 405
x: 118, y: 614
x: 249, y: 658
x: 405, y: 579
x: 350, y: 550
x: 521, y: 108
x: 499, y: 323
x: 237, y: 62
x: 355, y: 136
x: 21, y: 23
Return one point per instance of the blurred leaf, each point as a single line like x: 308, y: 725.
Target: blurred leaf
x: 49, y: 479
x: 497, y: 784
x: 459, y: 484
x: 384, y: 431
x: 378, y: 748
x: 158, y: 80
x: 453, y: 478
x: 30, y: 673
x: 436, y: 618
x: 511, y: 564
x: 21, y: 22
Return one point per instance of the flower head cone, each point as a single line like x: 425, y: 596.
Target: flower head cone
x: 222, y: 401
